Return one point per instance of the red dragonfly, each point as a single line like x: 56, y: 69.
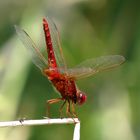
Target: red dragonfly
x: 54, y: 66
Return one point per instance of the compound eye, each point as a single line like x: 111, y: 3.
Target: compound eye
x: 81, y: 98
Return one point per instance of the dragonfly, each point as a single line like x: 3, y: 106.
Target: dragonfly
x: 52, y: 64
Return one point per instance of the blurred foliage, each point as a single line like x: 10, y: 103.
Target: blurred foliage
x: 88, y: 29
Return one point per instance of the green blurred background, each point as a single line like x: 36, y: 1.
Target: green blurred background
x: 89, y: 28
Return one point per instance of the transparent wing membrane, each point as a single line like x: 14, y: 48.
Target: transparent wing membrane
x: 93, y: 66
x: 84, y: 69
x: 36, y: 54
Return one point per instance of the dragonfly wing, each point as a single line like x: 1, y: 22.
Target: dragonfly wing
x: 56, y: 44
x: 93, y: 66
x: 36, y: 54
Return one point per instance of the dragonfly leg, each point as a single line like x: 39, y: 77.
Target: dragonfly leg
x: 68, y: 111
x: 73, y: 110
x: 49, y: 102
x: 61, y: 107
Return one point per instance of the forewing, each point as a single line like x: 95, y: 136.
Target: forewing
x: 56, y: 44
x: 36, y: 55
x: 93, y: 66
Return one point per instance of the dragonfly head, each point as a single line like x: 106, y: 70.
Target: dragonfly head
x: 81, y: 97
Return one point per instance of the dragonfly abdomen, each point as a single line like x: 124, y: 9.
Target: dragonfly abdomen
x: 51, y: 56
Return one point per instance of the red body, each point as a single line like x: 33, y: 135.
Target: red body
x: 65, y: 85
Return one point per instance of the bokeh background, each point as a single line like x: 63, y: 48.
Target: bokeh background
x: 88, y: 28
